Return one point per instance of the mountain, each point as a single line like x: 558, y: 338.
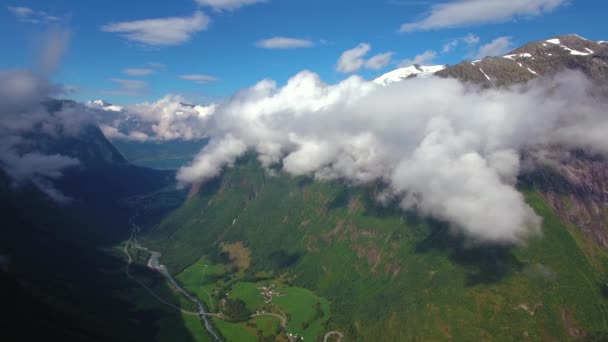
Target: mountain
x: 59, y: 278
x: 534, y: 60
x: 575, y: 187
x: 340, y: 264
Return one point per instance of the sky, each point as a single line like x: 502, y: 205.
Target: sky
x: 129, y: 52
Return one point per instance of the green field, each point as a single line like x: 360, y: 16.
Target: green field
x: 382, y: 274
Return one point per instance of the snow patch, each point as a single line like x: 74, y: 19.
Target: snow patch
x: 486, y: 75
x: 575, y: 52
x: 521, y: 55
x: 589, y: 50
x: 103, y: 105
x: 532, y: 71
x: 554, y: 41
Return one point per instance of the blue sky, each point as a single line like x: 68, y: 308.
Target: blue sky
x: 208, y: 49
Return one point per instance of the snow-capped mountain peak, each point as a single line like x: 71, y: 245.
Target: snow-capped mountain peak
x: 420, y: 71
x: 103, y: 105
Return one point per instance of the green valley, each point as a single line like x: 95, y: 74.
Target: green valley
x: 342, y: 262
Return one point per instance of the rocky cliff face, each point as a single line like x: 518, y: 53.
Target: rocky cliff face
x: 574, y: 183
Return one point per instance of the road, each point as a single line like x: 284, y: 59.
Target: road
x: 328, y: 334
x: 283, y: 319
x: 154, y: 263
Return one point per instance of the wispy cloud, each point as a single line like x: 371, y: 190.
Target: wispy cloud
x: 221, y: 5
x: 28, y: 15
x: 424, y: 58
x: 379, y: 61
x: 199, y: 78
x: 160, y: 31
x: 284, y: 43
x: 138, y: 71
x: 474, y: 12
x: 354, y: 59
x: 497, y: 47
x: 469, y: 39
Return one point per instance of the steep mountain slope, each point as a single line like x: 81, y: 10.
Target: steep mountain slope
x: 387, y: 275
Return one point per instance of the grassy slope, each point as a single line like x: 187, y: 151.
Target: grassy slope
x: 389, y: 275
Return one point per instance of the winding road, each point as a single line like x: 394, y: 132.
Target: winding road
x: 153, y: 263
x: 328, y: 335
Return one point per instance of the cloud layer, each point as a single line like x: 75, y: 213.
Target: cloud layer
x: 448, y: 149
x: 161, y: 31
x: 169, y: 118
x: 460, y: 13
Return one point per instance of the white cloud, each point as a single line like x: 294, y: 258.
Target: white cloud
x: 28, y: 15
x: 424, y: 58
x: 172, y: 119
x: 161, y: 31
x: 460, y: 13
x: 199, y: 78
x: 354, y: 59
x: 497, y: 47
x: 469, y: 39
x: 138, y: 71
x: 284, y: 43
x: 379, y: 61
x: 220, y: 5
x: 451, y: 150
x: 113, y: 133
